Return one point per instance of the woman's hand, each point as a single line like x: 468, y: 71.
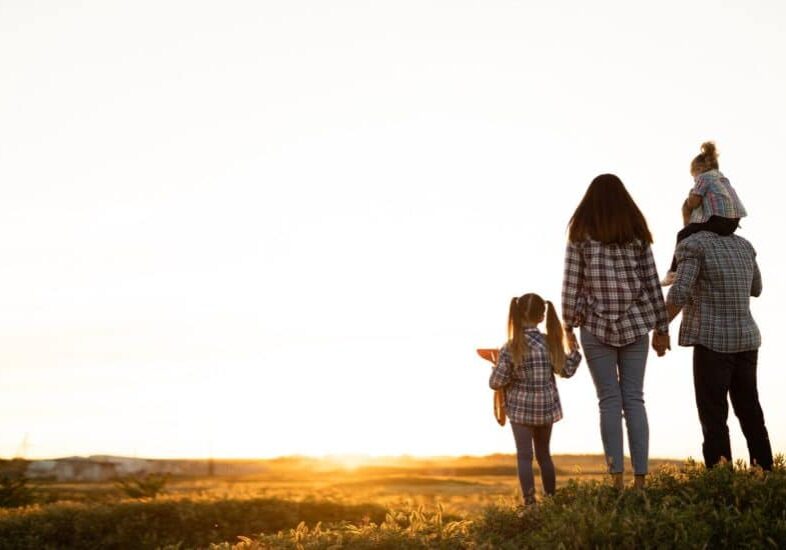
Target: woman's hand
x: 661, y: 343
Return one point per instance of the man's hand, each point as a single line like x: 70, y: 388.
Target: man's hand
x: 661, y: 343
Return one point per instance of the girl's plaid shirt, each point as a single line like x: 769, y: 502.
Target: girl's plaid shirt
x: 531, y: 395
x: 613, y: 290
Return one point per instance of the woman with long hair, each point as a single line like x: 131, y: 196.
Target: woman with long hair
x: 612, y: 291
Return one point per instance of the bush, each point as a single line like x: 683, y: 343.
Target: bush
x: 688, y: 507
x: 725, y: 507
x: 165, y: 521
x: 14, y: 491
x: 149, y: 486
x: 400, y: 530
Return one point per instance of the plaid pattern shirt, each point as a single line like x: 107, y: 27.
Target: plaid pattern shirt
x: 716, y: 276
x: 531, y: 395
x: 613, y: 290
x: 718, y: 198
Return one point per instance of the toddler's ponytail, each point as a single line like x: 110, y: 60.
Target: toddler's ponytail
x: 710, y: 153
x: 707, y: 159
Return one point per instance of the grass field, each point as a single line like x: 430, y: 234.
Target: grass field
x: 437, y: 503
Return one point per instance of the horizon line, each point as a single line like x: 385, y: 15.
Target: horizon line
x: 332, y: 457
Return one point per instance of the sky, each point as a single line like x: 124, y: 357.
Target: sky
x: 263, y: 228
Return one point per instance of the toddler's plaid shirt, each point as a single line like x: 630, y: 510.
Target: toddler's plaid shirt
x: 718, y: 198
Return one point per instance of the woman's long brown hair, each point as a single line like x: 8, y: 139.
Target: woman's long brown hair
x: 530, y: 308
x: 608, y: 214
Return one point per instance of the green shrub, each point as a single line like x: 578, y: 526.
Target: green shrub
x: 14, y: 491
x: 400, y: 530
x: 149, y: 486
x: 688, y: 507
x: 725, y: 507
x: 156, y: 523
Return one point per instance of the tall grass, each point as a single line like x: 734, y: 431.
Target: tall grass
x: 142, y: 524
x: 726, y: 507
x: 399, y: 530
x: 682, y: 507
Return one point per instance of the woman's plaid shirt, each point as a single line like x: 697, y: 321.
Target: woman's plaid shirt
x: 531, y: 395
x: 613, y: 290
x: 716, y: 276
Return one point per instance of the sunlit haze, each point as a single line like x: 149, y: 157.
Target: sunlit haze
x: 251, y: 229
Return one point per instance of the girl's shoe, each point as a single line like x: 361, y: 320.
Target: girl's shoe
x: 669, y: 279
x: 639, y: 481
x: 617, y: 481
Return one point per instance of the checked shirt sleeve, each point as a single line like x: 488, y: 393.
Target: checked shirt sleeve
x: 756, y: 285
x: 651, y: 283
x: 571, y: 286
x: 700, y: 188
x: 688, y: 265
x: 501, y: 374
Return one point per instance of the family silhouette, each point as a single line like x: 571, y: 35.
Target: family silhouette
x: 612, y: 295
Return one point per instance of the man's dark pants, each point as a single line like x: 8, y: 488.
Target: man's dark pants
x: 716, y: 376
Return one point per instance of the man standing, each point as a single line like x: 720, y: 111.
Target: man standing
x: 716, y: 276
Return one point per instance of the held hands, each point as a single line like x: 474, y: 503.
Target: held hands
x: 661, y: 343
x: 573, y: 343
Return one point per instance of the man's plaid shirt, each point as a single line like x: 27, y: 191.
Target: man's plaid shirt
x: 531, y: 395
x: 716, y: 276
x: 613, y: 290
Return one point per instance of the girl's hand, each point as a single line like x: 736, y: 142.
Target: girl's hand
x: 573, y: 343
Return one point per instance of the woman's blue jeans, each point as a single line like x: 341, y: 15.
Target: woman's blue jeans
x: 618, y: 373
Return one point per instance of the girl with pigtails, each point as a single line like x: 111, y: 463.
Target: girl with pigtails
x: 525, y: 369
